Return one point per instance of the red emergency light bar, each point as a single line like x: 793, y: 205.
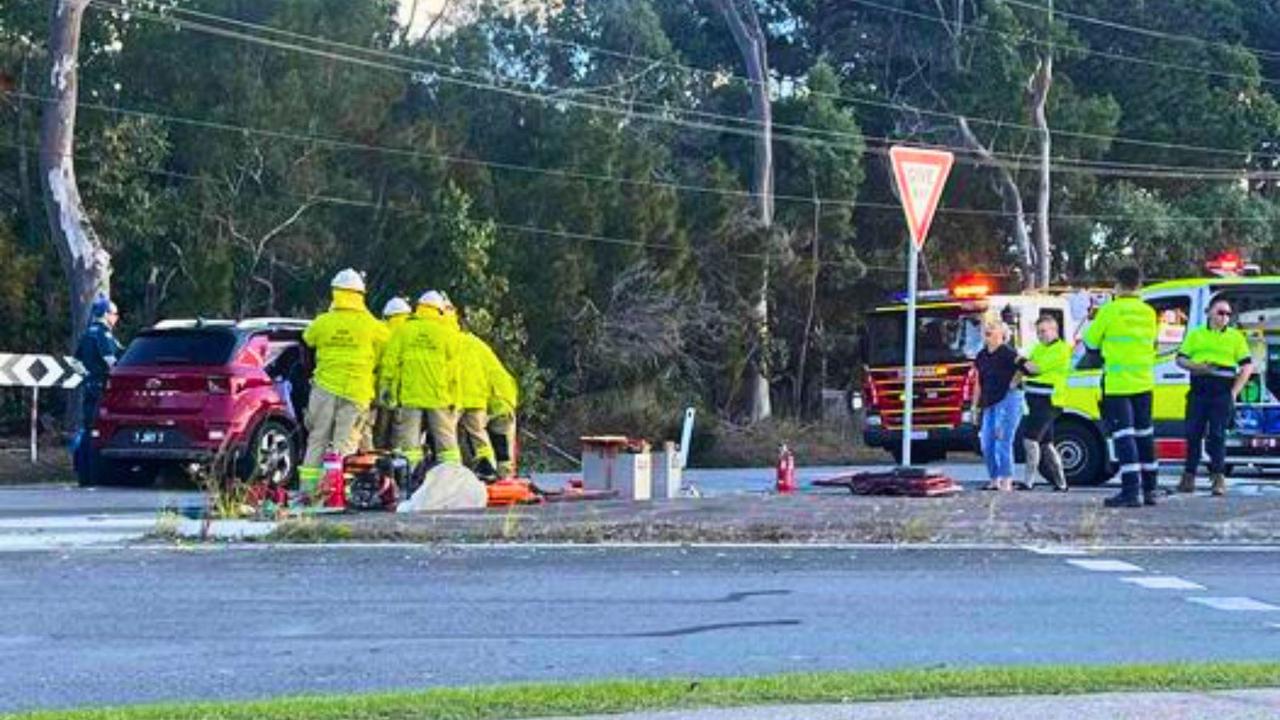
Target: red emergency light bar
x: 1228, y: 263
x: 971, y: 286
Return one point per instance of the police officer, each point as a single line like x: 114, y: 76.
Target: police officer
x: 1218, y: 358
x: 1125, y: 333
x: 1046, y: 369
x: 98, y: 350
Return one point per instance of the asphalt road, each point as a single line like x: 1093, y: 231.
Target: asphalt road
x: 92, y: 627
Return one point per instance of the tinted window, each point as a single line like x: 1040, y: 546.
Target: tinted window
x: 942, y: 336
x: 180, y: 347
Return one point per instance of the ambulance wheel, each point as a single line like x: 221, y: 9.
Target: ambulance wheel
x: 1084, y: 453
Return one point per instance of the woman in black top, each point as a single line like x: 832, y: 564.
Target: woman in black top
x: 999, y: 401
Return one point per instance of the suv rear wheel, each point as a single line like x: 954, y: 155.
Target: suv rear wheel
x: 274, y: 451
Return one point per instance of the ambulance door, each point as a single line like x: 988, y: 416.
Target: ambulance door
x: 1175, y: 311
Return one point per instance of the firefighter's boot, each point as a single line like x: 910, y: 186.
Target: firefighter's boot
x: 1219, y: 484
x: 1188, y: 483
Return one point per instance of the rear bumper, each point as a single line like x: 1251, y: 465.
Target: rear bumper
x: 196, y: 455
x: 960, y: 438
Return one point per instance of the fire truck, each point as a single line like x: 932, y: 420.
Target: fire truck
x: 948, y: 333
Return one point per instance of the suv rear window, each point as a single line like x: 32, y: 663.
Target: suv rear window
x: 180, y: 347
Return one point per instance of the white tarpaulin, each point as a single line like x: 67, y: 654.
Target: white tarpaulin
x: 447, y: 487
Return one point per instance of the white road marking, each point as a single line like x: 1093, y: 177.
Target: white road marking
x: 1114, y: 566
x: 79, y: 522
x: 1234, y: 604
x: 1163, y: 582
x: 1055, y: 550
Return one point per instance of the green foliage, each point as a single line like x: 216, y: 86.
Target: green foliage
x: 602, y: 239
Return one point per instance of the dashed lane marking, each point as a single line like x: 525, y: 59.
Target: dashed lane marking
x: 1055, y: 550
x: 1108, y: 566
x: 1234, y: 604
x: 1163, y: 582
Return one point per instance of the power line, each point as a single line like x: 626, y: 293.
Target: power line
x: 1112, y: 169
x: 890, y: 105
x: 338, y: 144
x: 1149, y: 32
x: 1088, y: 51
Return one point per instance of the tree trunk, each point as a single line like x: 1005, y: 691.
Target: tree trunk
x: 24, y: 155
x: 813, y: 303
x: 1011, y: 196
x: 744, y: 24
x: 85, y: 261
x: 1041, y: 82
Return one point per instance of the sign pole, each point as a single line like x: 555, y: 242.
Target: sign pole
x: 920, y: 174
x: 35, y: 425
x: 909, y: 392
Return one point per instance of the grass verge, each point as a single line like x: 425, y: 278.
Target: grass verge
x: 525, y: 701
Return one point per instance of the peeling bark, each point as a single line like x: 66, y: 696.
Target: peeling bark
x: 1041, y: 83
x: 85, y: 261
x: 1010, y: 195
x: 744, y: 24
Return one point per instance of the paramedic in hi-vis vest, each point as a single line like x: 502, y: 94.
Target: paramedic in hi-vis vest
x: 1046, y: 368
x: 1218, y: 358
x: 1125, y: 333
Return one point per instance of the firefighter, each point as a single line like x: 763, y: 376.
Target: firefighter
x: 1047, y: 367
x: 504, y: 396
x: 474, y: 391
x: 377, y: 429
x: 348, y: 342
x: 1218, y: 358
x: 423, y: 366
x: 1124, y: 332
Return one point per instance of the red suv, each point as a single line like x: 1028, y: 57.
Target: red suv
x: 186, y: 391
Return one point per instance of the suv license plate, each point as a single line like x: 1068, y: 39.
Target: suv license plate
x: 148, y: 437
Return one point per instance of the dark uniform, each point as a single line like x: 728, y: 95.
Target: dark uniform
x: 1210, y: 402
x: 98, y: 351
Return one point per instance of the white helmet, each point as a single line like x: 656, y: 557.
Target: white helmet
x: 348, y: 280
x: 432, y: 298
x: 396, y: 306
x: 448, y: 303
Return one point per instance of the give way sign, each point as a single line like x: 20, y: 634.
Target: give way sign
x: 921, y: 174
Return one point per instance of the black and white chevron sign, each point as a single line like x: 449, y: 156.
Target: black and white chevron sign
x: 40, y: 371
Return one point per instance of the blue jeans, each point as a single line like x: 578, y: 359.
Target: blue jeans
x: 999, y: 425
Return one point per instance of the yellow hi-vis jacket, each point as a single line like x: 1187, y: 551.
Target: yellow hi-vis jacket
x: 1054, y: 362
x: 349, y: 342
x: 504, y: 391
x: 387, y: 392
x: 1125, y: 330
x: 473, y: 373
x: 423, y: 361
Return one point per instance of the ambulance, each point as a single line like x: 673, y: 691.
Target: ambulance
x: 1181, y: 306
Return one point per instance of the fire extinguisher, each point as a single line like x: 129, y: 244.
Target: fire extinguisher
x: 786, y: 472
x: 334, y: 487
